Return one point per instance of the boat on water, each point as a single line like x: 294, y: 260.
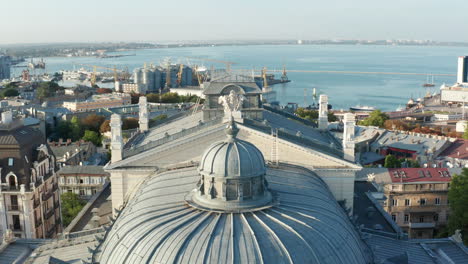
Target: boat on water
x: 427, y: 84
x: 363, y: 108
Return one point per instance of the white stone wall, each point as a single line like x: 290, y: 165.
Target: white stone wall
x: 124, y: 184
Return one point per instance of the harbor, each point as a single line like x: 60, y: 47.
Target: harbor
x: 349, y: 85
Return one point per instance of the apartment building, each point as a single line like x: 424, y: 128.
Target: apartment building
x: 99, y: 101
x: 29, y: 196
x: 415, y: 198
x: 82, y: 180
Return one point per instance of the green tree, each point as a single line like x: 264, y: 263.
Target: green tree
x: 458, y: 197
x: 47, y: 89
x: 105, y: 127
x: 71, y: 206
x: 152, y: 98
x: 170, y: 98
x: 391, y: 162
x: 93, y: 122
x: 376, y: 118
x: 465, y: 134
x: 9, y: 92
x: 76, y: 129
x: 92, y: 136
x: 129, y: 123
x: 307, y: 114
x: 332, y: 117
x: 11, y: 85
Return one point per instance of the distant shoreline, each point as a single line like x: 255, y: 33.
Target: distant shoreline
x: 64, y: 49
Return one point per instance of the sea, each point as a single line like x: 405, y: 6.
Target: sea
x: 386, y: 92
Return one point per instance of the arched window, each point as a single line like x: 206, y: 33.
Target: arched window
x: 12, y: 180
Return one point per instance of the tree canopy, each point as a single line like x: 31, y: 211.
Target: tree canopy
x: 392, y: 162
x: 458, y: 197
x: 71, y: 206
x: 376, y: 118
x: 92, y: 136
x: 9, y: 92
x: 47, y: 89
x: 307, y: 114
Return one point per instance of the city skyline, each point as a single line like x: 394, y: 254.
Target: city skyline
x: 144, y: 21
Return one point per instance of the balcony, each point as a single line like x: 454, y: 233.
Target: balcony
x: 37, y: 222
x: 422, y: 225
x: 49, y: 213
x: 47, y: 195
x: 15, y: 208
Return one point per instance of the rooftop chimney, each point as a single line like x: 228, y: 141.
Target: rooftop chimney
x: 7, y: 117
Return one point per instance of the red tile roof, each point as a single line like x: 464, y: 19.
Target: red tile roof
x: 458, y: 149
x: 408, y: 175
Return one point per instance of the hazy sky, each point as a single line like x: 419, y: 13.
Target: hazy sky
x: 33, y: 21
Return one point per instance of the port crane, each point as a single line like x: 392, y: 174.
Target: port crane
x: 227, y: 63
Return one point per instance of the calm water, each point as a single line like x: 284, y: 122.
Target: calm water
x: 386, y: 92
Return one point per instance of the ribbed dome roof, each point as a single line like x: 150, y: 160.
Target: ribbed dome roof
x: 307, y: 226
x: 232, y: 158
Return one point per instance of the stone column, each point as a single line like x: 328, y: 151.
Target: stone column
x: 348, y: 136
x: 143, y: 114
x: 323, y: 112
x: 3, y: 213
x: 28, y: 225
x: 116, y: 140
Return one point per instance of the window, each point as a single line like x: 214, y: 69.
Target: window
x: 394, y: 202
x: 12, y: 180
x: 421, y: 219
x: 394, y: 218
x: 82, y: 192
x: 70, y: 190
x: 10, y: 161
x: 407, y: 202
x: 81, y: 181
x: 437, y: 201
x: 420, y: 233
x: 406, y: 218
x: 422, y: 201
x: 436, y: 217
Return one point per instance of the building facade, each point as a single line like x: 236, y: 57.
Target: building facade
x: 5, y: 64
x: 417, y: 199
x: 99, y: 101
x: 85, y: 181
x: 29, y: 196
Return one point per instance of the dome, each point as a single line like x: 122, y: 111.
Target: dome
x: 232, y: 177
x: 307, y: 226
x: 232, y: 158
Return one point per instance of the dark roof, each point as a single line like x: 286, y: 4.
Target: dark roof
x: 19, y: 136
x: 362, y: 206
x: 458, y: 150
x: 92, y: 169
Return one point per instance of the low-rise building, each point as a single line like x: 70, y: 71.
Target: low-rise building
x: 29, y: 196
x: 99, y: 101
x: 72, y: 153
x: 455, y: 156
x: 415, y: 198
x: 424, y: 148
x: 82, y: 180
